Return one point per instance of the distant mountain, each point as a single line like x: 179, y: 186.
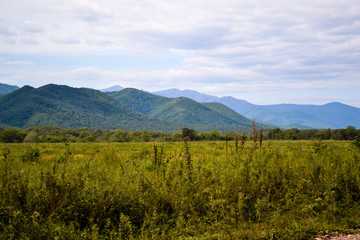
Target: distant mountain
x: 239, y: 106
x: 175, y: 93
x: 73, y: 108
x: 112, y: 89
x: 179, y: 110
x: 5, y: 88
x: 331, y: 115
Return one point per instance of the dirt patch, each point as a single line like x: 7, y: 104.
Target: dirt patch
x: 339, y: 236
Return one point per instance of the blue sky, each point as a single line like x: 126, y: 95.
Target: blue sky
x: 266, y: 52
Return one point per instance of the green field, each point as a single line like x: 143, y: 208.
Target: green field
x: 181, y: 190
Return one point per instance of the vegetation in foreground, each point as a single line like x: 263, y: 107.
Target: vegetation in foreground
x: 195, y: 190
x: 50, y: 134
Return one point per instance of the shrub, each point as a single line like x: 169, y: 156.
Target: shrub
x: 356, y: 142
x: 31, y: 154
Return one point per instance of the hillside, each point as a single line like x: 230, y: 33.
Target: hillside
x: 5, y: 88
x: 72, y: 108
x: 331, y: 115
x: 180, y: 110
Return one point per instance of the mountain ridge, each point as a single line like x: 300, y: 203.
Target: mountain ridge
x: 331, y: 115
x: 63, y: 106
x: 6, y: 88
x: 181, y: 109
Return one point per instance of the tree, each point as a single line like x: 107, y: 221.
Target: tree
x: 215, y: 135
x: 350, y: 132
x: 275, y: 133
x: 32, y: 137
x: 145, y: 136
x: 12, y: 136
x: 188, y: 132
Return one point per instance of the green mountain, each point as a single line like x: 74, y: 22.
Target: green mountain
x: 332, y: 115
x: 5, y: 88
x: 228, y: 112
x: 73, y: 108
x: 180, y: 110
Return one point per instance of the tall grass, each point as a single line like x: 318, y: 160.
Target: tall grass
x: 286, y: 190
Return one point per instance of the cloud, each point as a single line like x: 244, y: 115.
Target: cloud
x: 65, y: 39
x: 227, y: 45
x: 28, y: 41
x: 5, y: 31
x: 88, y: 11
x: 32, y: 27
x: 4, y: 61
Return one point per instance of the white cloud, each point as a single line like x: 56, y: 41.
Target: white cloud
x: 28, y: 41
x: 4, y: 61
x: 64, y: 38
x: 5, y: 31
x: 226, y: 45
x: 32, y: 27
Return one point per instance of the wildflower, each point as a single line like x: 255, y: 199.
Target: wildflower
x: 22, y: 172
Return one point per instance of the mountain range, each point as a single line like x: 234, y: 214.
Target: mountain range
x: 168, y: 108
x: 64, y: 106
x: 68, y: 107
x: 179, y: 110
x: 332, y: 115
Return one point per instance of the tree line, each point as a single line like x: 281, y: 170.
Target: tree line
x: 58, y: 134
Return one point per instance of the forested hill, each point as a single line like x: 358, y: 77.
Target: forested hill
x: 5, y: 88
x: 180, y: 110
x: 68, y: 107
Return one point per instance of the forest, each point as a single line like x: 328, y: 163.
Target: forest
x: 60, y: 134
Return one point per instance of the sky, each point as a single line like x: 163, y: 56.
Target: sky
x: 262, y: 51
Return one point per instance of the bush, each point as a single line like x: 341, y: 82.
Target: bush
x: 356, y: 142
x: 32, y: 154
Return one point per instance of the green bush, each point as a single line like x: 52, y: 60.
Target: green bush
x: 31, y: 154
x: 356, y: 142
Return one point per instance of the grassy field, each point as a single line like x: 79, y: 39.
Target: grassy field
x: 181, y: 190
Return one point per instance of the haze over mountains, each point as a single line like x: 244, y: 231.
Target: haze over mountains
x: 167, y: 110
x: 332, y: 115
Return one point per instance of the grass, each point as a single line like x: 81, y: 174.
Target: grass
x: 285, y: 190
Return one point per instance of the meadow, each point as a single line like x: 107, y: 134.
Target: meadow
x: 179, y: 190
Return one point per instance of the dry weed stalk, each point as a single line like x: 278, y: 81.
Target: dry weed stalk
x: 261, y: 135
x: 254, y: 133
